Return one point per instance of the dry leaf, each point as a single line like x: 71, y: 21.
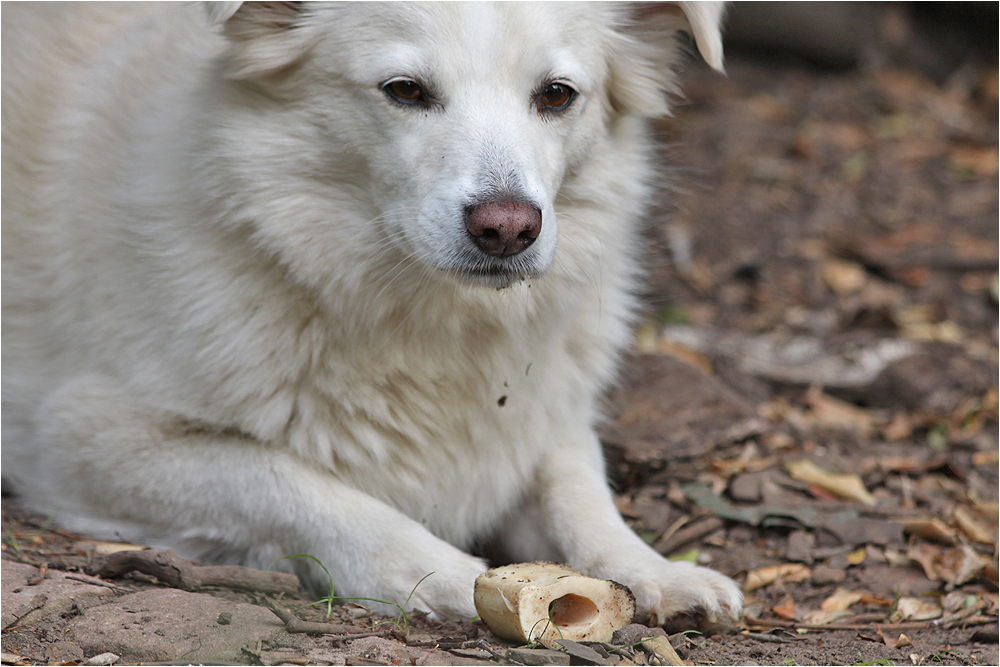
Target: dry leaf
x: 960, y: 565
x: 646, y: 339
x: 768, y: 575
x: 868, y: 598
x: 931, y: 528
x: 915, y: 609
x: 844, y: 486
x: 900, y: 642
x: 896, y: 559
x: 935, y: 332
x: 684, y: 354
x: 910, y: 464
x: 785, y: 609
x: 987, y: 458
x: 973, y: 529
x: 926, y: 555
x: 990, y: 509
x: 899, y: 428
x: 834, y: 413
x: 820, y: 617
x: 957, y: 600
x: 975, y: 159
x: 857, y: 557
x: 843, y: 277
x: 990, y: 573
x: 841, y: 600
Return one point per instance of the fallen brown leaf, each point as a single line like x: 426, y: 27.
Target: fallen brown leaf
x: 974, y: 529
x: 899, y: 642
x: 981, y: 161
x: 868, y: 598
x: 931, y: 528
x: 990, y: 509
x: 843, y: 277
x: 910, y: 464
x: 899, y: 428
x: 786, y: 608
x: 768, y: 575
x: 926, y: 555
x: 915, y: 609
x: 842, y: 485
x: 982, y: 459
x: 832, y: 412
x: 687, y: 355
x: 841, y: 600
x: 822, y: 617
x: 960, y: 565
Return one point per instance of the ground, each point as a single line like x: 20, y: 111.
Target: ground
x: 810, y: 407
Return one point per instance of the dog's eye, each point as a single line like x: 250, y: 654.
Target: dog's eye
x: 405, y: 91
x: 555, y: 97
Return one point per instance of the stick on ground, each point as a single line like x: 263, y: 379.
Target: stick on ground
x: 175, y: 571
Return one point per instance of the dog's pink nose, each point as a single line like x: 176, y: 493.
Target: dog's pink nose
x: 503, y: 228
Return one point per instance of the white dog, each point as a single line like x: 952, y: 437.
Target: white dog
x: 343, y: 280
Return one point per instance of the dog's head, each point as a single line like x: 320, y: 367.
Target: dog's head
x: 458, y: 122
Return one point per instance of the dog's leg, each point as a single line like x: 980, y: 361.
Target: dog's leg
x: 113, y: 461
x: 575, y: 512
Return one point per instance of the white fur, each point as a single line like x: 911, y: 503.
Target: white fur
x: 240, y: 317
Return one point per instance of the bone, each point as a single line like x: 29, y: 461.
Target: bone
x: 530, y: 602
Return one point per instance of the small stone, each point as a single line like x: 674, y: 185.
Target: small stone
x: 225, y: 618
x: 800, y: 546
x: 635, y: 633
x: 102, y: 660
x: 538, y: 656
x: 579, y: 652
x: 747, y: 488
x: 824, y: 575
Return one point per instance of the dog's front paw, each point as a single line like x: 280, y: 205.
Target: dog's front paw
x: 666, y: 590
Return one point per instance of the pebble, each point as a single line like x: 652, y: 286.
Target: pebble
x: 538, y: 656
x: 824, y: 575
x: 102, y: 660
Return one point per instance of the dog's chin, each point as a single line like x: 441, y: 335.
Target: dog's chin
x: 494, y: 272
x: 492, y: 277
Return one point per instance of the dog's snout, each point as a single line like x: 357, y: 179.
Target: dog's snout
x: 503, y: 228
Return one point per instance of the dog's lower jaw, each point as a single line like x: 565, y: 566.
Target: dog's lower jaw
x: 498, y: 280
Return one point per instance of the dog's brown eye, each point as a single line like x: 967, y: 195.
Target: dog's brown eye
x: 555, y: 97
x: 405, y: 91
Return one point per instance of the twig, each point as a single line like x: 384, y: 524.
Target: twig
x: 23, y: 610
x: 175, y: 571
x: 670, y: 543
x: 961, y: 615
x: 464, y: 644
x: 863, y: 624
x: 98, y: 582
x: 335, y: 632
x: 486, y: 647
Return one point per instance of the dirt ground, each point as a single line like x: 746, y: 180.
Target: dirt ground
x: 811, y: 406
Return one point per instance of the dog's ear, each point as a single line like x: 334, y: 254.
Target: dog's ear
x: 266, y: 37
x: 643, y: 76
x: 705, y: 19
